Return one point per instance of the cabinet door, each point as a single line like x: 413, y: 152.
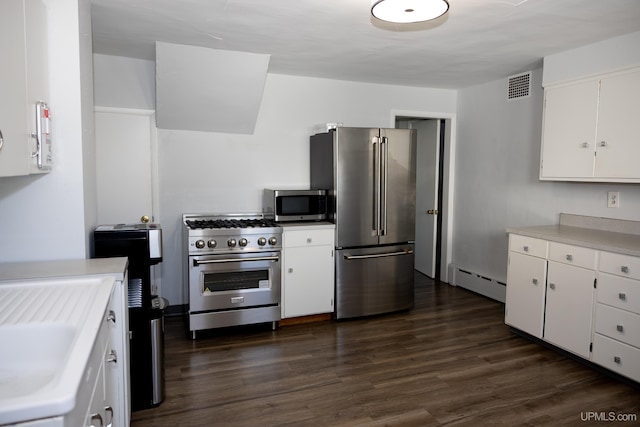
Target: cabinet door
x: 569, y: 307
x: 116, y: 364
x: 569, y: 129
x: 14, y: 147
x: 37, y: 59
x: 617, y: 143
x: 524, y: 306
x: 308, y: 281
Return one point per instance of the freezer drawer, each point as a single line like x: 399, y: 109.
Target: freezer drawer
x: 374, y: 280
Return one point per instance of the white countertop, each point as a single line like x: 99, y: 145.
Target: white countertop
x: 115, y: 267
x: 595, y: 237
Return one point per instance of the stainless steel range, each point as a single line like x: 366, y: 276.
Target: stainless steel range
x: 232, y: 268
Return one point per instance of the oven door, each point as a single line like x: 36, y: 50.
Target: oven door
x: 233, y: 281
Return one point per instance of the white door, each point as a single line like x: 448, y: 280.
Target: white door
x: 427, y: 161
x: 125, y: 165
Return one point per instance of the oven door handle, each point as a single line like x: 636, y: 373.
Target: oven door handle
x: 383, y: 255
x: 197, y: 262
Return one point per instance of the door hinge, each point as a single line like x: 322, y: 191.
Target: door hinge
x: 590, y: 347
x: 595, y: 283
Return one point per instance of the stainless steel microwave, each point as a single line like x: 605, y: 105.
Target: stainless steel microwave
x: 295, y: 205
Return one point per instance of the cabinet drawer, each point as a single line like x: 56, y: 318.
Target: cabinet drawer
x: 308, y: 238
x: 616, y: 356
x: 528, y: 245
x: 572, y: 255
x: 619, y: 292
x: 620, y: 265
x: 618, y: 324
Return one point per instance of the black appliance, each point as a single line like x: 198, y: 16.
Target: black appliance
x: 142, y: 244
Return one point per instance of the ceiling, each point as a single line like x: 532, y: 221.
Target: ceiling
x: 476, y: 42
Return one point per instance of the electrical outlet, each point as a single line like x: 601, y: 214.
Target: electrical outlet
x: 613, y: 199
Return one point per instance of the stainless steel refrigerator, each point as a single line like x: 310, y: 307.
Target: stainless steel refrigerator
x: 370, y: 176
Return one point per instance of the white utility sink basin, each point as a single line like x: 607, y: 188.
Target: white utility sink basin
x: 38, y: 354
x: 47, y: 331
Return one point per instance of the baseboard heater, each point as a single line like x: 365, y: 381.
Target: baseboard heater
x: 479, y: 283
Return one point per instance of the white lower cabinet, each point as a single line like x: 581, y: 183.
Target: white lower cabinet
x: 526, y: 278
x: 616, y: 340
x: 569, y: 307
x: 579, y: 299
x: 117, y: 384
x: 307, y: 270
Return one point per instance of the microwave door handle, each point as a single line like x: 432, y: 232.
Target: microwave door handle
x: 197, y: 262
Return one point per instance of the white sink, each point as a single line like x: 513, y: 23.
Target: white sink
x: 36, y: 354
x: 47, y: 332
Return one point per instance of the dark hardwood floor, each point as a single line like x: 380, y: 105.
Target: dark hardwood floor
x: 449, y: 361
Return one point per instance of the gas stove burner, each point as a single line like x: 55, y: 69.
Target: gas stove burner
x: 210, y: 234
x: 198, y: 224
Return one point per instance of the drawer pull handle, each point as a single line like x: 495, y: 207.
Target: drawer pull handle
x: 619, y: 328
x: 569, y: 257
x: 96, y: 417
x: 585, y: 145
x: 309, y: 240
x: 112, y: 357
x: 290, y: 270
x: 526, y: 248
x: 111, y: 317
x: 617, y: 359
x: 552, y: 285
x: 624, y: 269
x: 622, y: 296
x: 535, y: 281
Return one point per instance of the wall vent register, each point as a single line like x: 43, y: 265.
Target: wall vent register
x: 519, y: 86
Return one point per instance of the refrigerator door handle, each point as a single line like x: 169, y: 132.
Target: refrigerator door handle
x: 376, y: 185
x: 384, y: 150
x: 384, y: 255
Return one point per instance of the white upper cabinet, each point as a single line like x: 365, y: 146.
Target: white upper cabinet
x: 23, y: 82
x: 591, y: 131
x: 14, y: 144
x: 618, y: 135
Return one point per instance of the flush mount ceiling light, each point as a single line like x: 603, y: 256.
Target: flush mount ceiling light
x: 408, y: 11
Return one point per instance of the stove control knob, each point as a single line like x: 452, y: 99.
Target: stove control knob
x: 273, y: 241
x: 242, y: 242
x: 262, y: 241
x: 212, y: 243
x: 231, y: 243
x: 199, y: 244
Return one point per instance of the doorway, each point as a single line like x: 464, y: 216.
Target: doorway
x: 432, y: 201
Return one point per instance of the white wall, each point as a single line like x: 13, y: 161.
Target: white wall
x: 43, y: 217
x: 218, y: 172
x: 608, y: 55
x: 496, y: 180
x: 124, y: 82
